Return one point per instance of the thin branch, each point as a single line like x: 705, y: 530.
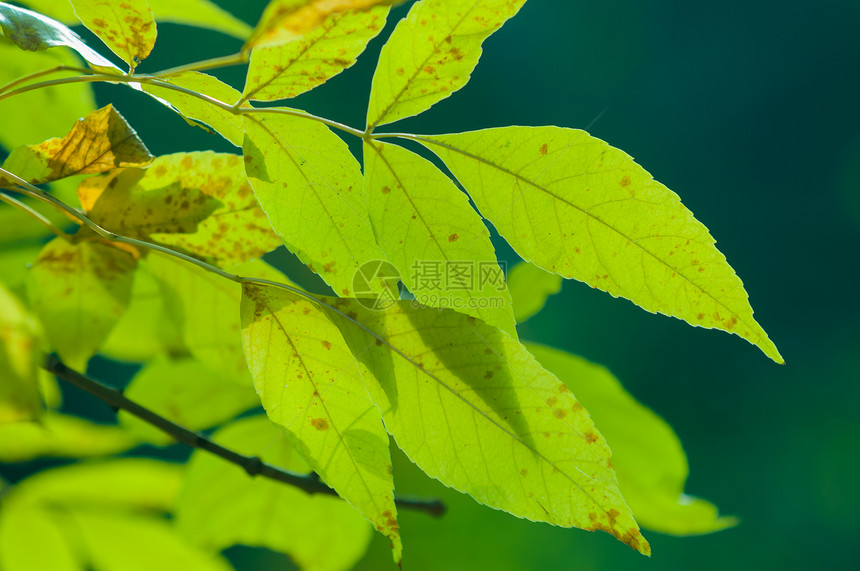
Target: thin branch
x: 32, y: 212
x: 253, y: 465
x: 37, y: 74
x: 213, y: 63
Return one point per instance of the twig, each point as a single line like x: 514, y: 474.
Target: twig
x: 253, y: 465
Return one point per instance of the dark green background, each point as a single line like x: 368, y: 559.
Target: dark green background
x: 748, y: 111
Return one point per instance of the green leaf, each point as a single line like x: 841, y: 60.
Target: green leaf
x: 30, y: 538
x: 236, y: 231
x: 21, y: 125
x: 647, y: 455
x: 127, y: 27
x: 140, y: 484
x: 285, y: 20
x: 433, y: 236
x: 116, y: 541
x: 32, y: 31
x: 472, y: 408
x: 318, y: 532
x: 431, y: 54
x: 287, y: 70
x: 199, y: 13
x: 309, y: 383
x: 20, y: 337
x: 227, y: 124
x: 61, y: 436
x: 79, y: 292
x: 99, y: 142
x: 573, y: 205
x: 186, y: 392
x: 60, y: 11
x: 145, y: 329
x: 530, y: 286
x: 310, y: 186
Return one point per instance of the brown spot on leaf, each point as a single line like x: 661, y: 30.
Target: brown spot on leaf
x: 625, y: 181
x: 590, y: 437
x: 386, y: 189
x: 453, y: 237
x: 326, y: 344
x: 319, y: 423
x: 544, y: 149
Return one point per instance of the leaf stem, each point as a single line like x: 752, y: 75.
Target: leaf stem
x: 37, y: 74
x: 213, y: 63
x: 253, y: 465
x: 32, y: 212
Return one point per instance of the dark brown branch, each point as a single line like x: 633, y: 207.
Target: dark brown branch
x: 253, y: 465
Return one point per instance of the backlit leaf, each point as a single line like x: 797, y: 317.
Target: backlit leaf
x: 30, y: 539
x: 99, y: 142
x: 126, y: 27
x: 61, y: 436
x: 123, y: 203
x: 145, y: 329
x: 289, y: 69
x: 573, y: 205
x: 284, y: 20
x: 310, y: 186
x: 200, y: 13
x: 433, y: 236
x: 32, y: 31
x: 66, y: 102
x: 117, y: 541
x: 227, y: 124
x: 530, y: 286
x: 20, y: 356
x: 186, y: 392
x: 14, y: 263
x: 79, y: 292
x: 309, y: 383
x: 236, y: 231
x: 472, y: 408
x: 647, y: 455
x: 318, y: 532
x: 431, y: 54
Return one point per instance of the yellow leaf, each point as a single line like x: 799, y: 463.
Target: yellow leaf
x: 99, y: 142
x: 126, y: 27
x: 20, y: 357
x: 79, y: 291
x: 284, y: 20
x: 61, y: 436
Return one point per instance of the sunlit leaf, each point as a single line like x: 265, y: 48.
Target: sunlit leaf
x: 227, y: 124
x: 205, y: 309
x: 571, y: 204
x: 530, y: 286
x: 60, y: 11
x: 186, y: 392
x: 61, y: 436
x: 431, y: 54
x: 472, y: 408
x: 20, y: 356
x: 79, y: 292
x: 433, y: 236
x: 287, y: 70
x: 310, y: 186
x: 648, y: 457
x: 134, y: 203
x: 126, y: 27
x: 99, y: 142
x: 200, y: 13
x: 32, y: 31
x: 118, y: 541
x: 238, y: 229
x: 309, y: 383
x: 284, y: 20
x: 30, y: 539
x: 66, y: 102
x: 129, y: 483
x: 145, y: 329
x: 318, y: 532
